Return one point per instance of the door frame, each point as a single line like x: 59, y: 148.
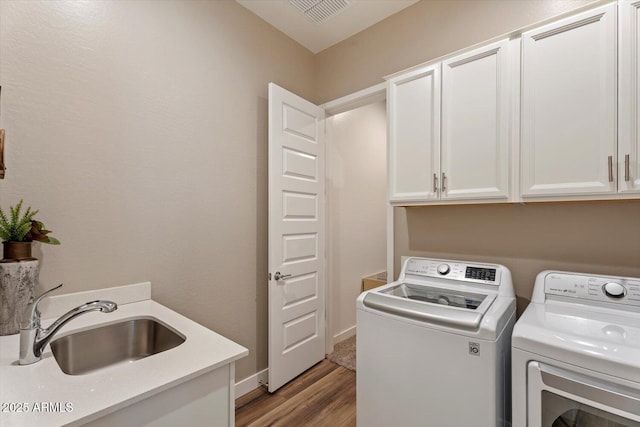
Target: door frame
x: 340, y: 105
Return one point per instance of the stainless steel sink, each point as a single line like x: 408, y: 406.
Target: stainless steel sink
x: 125, y: 341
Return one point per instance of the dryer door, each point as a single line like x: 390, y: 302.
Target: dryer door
x: 560, y: 398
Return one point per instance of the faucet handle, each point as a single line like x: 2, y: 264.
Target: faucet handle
x: 31, y: 314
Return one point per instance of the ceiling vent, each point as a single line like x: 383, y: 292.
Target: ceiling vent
x: 319, y: 11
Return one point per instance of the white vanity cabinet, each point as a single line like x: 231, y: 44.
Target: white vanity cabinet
x: 569, y: 121
x: 629, y: 99
x: 448, y: 136
x: 206, y: 400
x: 192, y: 384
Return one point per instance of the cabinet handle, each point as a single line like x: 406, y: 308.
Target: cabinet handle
x: 610, y: 164
x: 627, y: 168
x: 435, y: 183
x: 444, y: 182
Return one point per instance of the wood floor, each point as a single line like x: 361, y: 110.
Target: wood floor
x: 325, y: 395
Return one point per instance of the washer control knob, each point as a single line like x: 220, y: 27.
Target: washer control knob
x: 614, y: 290
x: 444, y: 269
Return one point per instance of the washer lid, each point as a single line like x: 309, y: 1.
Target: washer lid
x: 449, y: 307
x: 603, y: 341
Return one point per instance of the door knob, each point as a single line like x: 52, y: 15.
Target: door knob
x: 279, y: 276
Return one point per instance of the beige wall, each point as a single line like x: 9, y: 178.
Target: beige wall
x: 591, y: 237
x: 139, y: 129
x: 357, y: 202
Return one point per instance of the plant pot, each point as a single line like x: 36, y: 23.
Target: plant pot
x: 17, y: 281
x: 17, y: 251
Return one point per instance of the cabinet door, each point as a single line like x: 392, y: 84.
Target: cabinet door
x: 475, y: 126
x: 629, y: 98
x: 414, y: 135
x: 569, y: 106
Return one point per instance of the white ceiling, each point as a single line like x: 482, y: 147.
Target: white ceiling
x: 357, y: 16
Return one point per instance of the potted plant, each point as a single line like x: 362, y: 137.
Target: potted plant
x: 18, y: 230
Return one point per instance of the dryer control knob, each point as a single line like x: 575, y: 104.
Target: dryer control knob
x: 443, y: 269
x: 614, y: 290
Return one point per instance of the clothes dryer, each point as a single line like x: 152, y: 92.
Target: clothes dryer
x: 576, y: 353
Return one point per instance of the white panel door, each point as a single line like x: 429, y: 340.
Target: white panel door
x: 414, y: 135
x: 475, y: 125
x: 296, y: 236
x: 569, y: 106
x: 629, y: 98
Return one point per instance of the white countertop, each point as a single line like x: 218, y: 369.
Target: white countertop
x: 98, y: 393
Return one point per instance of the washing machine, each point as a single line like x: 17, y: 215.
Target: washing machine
x: 576, y: 353
x: 433, y: 348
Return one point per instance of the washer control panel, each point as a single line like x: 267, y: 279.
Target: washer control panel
x: 476, y: 273
x: 620, y: 290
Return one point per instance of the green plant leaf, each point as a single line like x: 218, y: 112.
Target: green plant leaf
x: 22, y: 231
x: 3, y: 218
x: 52, y: 241
x: 17, y: 227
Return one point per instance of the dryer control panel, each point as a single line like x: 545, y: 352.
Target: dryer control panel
x: 454, y: 270
x: 619, y: 290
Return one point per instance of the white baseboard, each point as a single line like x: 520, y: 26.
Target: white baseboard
x: 347, y: 333
x: 251, y: 383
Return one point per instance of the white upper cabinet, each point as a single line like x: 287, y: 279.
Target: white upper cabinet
x: 414, y: 134
x: 569, y: 72
x: 629, y: 98
x: 475, y: 125
x: 553, y: 115
x: 470, y: 160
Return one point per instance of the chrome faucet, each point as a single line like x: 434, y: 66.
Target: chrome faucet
x: 33, y: 338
